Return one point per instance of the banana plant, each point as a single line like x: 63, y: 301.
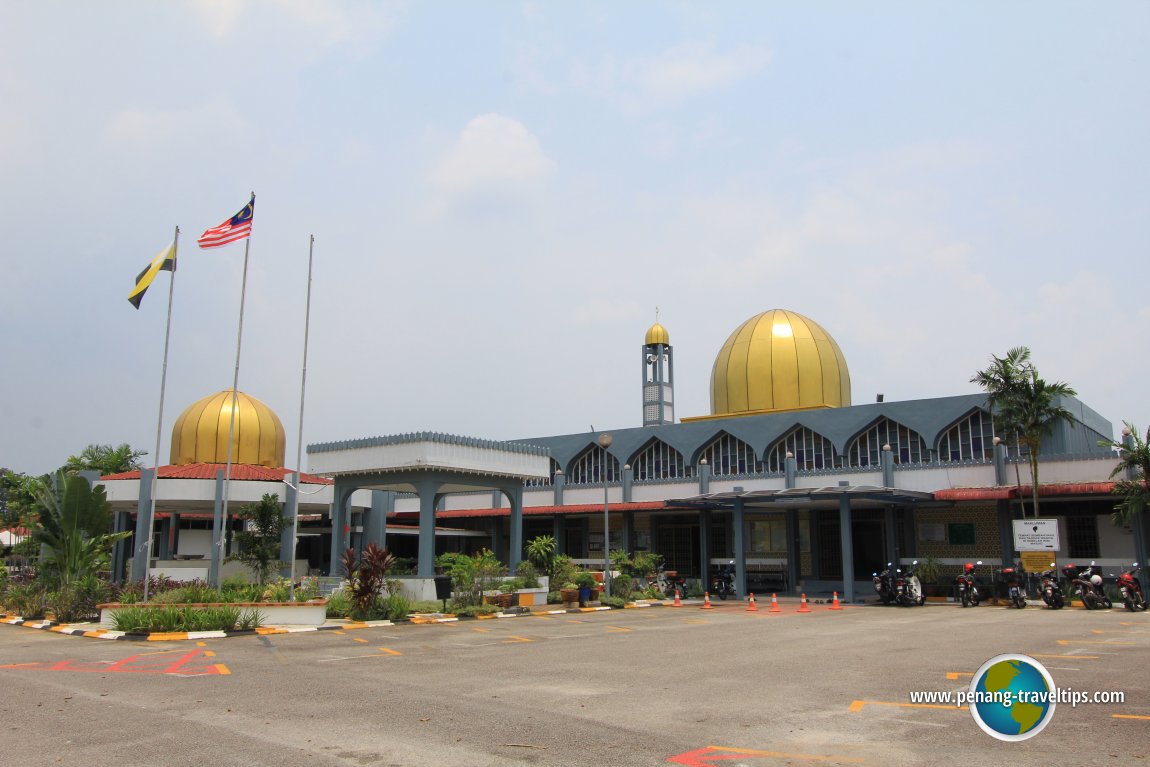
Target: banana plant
x: 73, y: 529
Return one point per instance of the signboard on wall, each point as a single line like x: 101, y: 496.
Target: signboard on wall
x: 1036, y: 561
x: 1036, y: 535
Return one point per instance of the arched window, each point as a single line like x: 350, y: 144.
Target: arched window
x: 971, y: 439
x: 731, y: 456
x: 811, y: 450
x: 658, y: 460
x: 906, y: 445
x: 589, y: 467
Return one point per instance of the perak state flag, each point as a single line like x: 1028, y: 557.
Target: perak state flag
x: 235, y: 228
x: 164, y: 262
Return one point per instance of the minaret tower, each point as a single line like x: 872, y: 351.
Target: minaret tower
x: 658, y: 376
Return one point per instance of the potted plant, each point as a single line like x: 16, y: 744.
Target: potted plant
x: 569, y: 593
x: 929, y: 571
x: 586, y: 583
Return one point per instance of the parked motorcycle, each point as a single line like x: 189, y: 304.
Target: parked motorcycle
x: 884, y: 585
x: 723, y: 584
x: 1131, y: 588
x: 1087, y: 586
x: 669, y: 582
x: 968, y: 594
x: 1051, y: 589
x: 1014, y: 593
x: 908, y: 588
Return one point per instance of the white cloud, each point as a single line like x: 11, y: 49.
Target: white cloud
x: 326, y: 22
x: 671, y: 77
x: 492, y: 151
x: 136, y: 128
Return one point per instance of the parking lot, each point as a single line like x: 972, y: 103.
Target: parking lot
x: 624, y: 687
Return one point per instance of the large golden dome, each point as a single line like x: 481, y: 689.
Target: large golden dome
x: 779, y: 360
x: 201, y: 432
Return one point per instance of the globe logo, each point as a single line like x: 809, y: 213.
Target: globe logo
x: 1012, y: 697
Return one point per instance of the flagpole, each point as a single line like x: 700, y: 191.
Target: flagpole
x: 147, y: 543
x: 298, y: 476
x: 218, y: 559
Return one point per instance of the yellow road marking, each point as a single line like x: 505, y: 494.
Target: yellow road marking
x: 514, y: 639
x: 201, y: 644
x: 784, y: 755
x: 957, y: 674
x: 341, y: 633
x: 1067, y: 657
x: 1097, y: 631
x: 209, y: 654
x: 482, y: 631
x: 224, y: 671
x: 358, y: 639
x: 857, y: 705
x: 389, y: 651
x: 1130, y: 716
x: 1096, y: 641
x: 618, y: 628
x: 694, y: 621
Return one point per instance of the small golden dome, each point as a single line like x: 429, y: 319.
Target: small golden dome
x: 779, y: 360
x: 201, y: 432
x: 657, y: 334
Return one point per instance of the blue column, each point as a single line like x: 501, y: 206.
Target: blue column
x: 888, y: 521
x: 426, y: 490
x: 628, y: 478
x: 559, y: 531
x: 794, y: 552
x: 847, y: 535
x: 515, y: 552
x: 164, y: 528
x: 705, y: 524
x: 143, y: 553
x: 629, y: 532
x: 1000, y: 464
x: 375, y: 525
x: 887, y: 467
x: 791, y: 469
x: 704, y: 478
x: 497, y: 537
x: 121, y: 522
x: 740, y: 550
x: 560, y: 483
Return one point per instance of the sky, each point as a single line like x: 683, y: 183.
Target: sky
x: 503, y: 194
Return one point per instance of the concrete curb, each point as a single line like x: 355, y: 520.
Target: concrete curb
x: 91, y: 631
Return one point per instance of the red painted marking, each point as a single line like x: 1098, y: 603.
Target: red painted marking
x: 141, y: 663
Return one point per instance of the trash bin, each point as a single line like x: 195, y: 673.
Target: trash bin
x: 443, y: 589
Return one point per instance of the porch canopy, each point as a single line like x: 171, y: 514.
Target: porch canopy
x: 430, y: 465
x: 844, y: 497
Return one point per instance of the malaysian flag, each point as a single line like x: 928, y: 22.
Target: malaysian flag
x: 235, y: 228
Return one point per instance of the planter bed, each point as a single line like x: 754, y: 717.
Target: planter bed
x: 312, y: 613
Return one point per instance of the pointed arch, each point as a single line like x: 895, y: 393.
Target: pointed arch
x: 970, y: 438
x: 658, y: 460
x: 589, y: 467
x: 906, y: 444
x: 812, y: 451
x: 544, y: 482
x: 730, y: 456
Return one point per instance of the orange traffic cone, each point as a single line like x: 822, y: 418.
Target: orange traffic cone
x: 803, y: 605
x: 835, y: 603
x: 752, y: 607
x: 706, y: 602
x: 677, y: 602
x: 775, y: 604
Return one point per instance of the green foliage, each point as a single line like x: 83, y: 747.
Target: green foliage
x: 1023, y: 404
x: 554, y: 597
x: 105, y: 459
x: 259, y: 541
x: 472, y: 575
x: 564, y: 571
x: 543, y: 554
x: 307, y: 589
x: 77, y: 601
x: 585, y: 579
x: 18, y: 499
x: 623, y: 586
x: 929, y: 570
x: 473, y: 610
x: 142, y: 620
x: 74, y: 522
x: 339, y: 605
x: 1134, y: 468
x: 192, y: 592
x: 613, y: 601
x: 527, y: 574
x: 694, y: 590
x: 28, y: 600
x: 279, y: 590
x: 396, y: 607
x: 425, y: 606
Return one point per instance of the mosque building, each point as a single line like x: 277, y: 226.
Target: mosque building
x: 785, y: 477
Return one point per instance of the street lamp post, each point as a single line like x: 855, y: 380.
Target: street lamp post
x: 605, y: 442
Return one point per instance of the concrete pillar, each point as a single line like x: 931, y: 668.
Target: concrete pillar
x: 887, y: 466
x: 847, y: 535
x: 791, y: 467
x: 497, y: 537
x: 704, y: 476
x: 999, y: 462
x: 219, y: 517
x: 628, y: 479
x: 629, y: 532
x: 375, y: 520
x: 142, y: 554
x: 559, y: 533
x: 705, y: 523
x: 559, y: 484
x: 287, y: 538
x: 889, y: 522
x: 164, y: 528
x: 737, y: 520
x: 426, y: 490
x: 120, y: 549
x: 794, y: 552
x: 515, y: 551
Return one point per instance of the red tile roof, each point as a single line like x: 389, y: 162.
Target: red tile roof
x: 240, y: 471
x: 1003, y: 492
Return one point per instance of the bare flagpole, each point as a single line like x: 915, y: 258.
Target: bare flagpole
x: 218, y: 559
x: 147, y: 542
x: 298, y: 475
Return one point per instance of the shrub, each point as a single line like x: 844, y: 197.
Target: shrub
x: 623, y: 586
x: 365, y: 576
x: 554, y: 597
x: 396, y: 607
x: 527, y: 574
x: 278, y: 590
x: 425, y: 606
x: 28, y: 600
x: 472, y: 611
x: 585, y: 580
x: 339, y: 605
x: 613, y: 601
x: 192, y: 592
x: 141, y: 620
x: 77, y: 602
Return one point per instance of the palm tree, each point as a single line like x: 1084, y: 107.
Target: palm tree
x: 1134, y: 465
x: 105, y: 459
x: 75, y: 520
x: 1024, y: 404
